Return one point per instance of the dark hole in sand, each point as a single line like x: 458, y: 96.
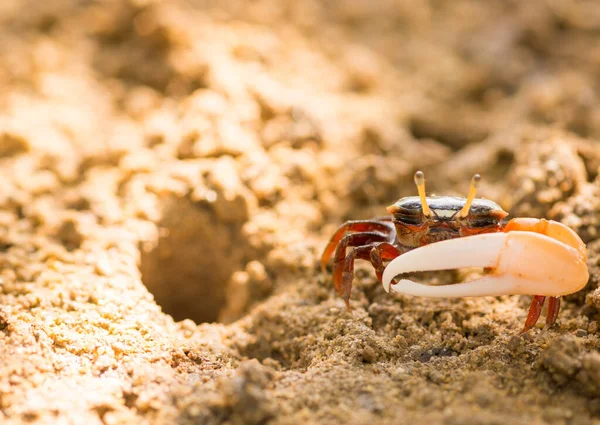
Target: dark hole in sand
x: 187, y: 269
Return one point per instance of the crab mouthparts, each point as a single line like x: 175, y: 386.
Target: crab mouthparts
x: 521, y: 263
x: 442, y: 227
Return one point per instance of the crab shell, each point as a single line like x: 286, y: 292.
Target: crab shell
x: 533, y: 256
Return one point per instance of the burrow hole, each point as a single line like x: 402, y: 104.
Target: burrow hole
x: 187, y: 269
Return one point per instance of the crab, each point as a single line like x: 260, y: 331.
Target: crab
x: 524, y: 256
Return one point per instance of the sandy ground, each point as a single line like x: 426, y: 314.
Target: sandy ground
x: 170, y: 172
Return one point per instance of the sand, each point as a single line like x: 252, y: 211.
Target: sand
x: 170, y: 172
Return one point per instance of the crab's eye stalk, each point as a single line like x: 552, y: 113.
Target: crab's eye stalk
x: 420, y: 182
x: 464, y: 212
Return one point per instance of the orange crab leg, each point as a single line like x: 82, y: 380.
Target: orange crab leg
x: 354, y: 226
x: 377, y: 252
x: 535, y: 309
x: 343, y: 265
x: 553, y: 308
x: 343, y: 282
x: 383, y: 252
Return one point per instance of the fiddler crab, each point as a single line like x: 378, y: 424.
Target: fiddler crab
x: 524, y: 256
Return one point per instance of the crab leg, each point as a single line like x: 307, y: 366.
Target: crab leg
x: 344, y: 273
x: 383, y: 252
x: 382, y: 225
x: 521, y: 262
x: 553, y: 308
x: 340, y: 260
x: 535, y: 310
x: 343, y: 265
x: 377, y: 252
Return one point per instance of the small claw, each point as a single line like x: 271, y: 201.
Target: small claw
x: 522, y: 262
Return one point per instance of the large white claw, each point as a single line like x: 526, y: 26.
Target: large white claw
x: 525, y: 263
